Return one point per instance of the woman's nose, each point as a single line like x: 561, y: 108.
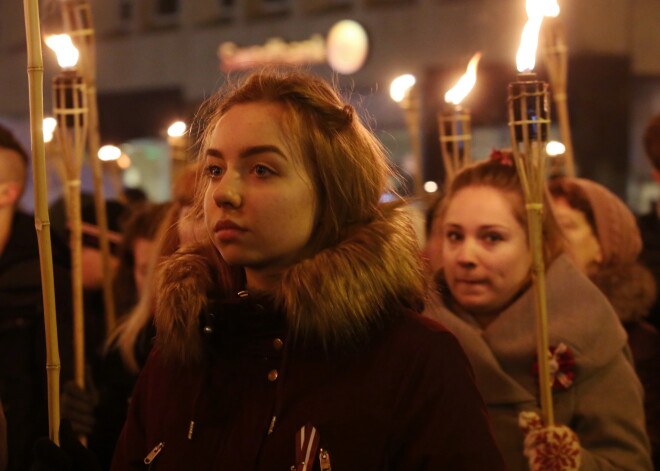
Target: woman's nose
x: 466, y: 255
x: 228, y: 191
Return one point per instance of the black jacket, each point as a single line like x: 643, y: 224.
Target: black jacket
x: 22, y: 338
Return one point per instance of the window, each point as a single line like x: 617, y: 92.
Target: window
x: 164, y: 13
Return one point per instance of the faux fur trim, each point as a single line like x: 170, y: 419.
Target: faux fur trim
x: 335, y: 298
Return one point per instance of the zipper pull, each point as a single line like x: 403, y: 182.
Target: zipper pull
x: 153, y: 453
x: 324, y: 460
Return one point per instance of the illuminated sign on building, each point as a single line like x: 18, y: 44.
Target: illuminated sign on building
x: 345, y: 50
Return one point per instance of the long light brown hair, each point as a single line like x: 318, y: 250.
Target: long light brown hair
x: 347, y: 164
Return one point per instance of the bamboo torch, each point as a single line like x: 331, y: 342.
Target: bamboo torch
x: 404, y: 92
x: 454, y: 123
x: 54, y: 155
x: 529, y: 123
x: 77, y: 18
x: 556, y: 60
x: 70, y: 109
x: 35, y: 70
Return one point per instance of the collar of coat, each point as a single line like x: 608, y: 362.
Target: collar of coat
x: 502, y: 354
x: 335, y: 298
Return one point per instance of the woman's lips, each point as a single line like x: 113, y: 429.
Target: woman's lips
x: 470, y: 282
x: 228, y: 230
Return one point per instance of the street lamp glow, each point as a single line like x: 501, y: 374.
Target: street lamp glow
x: 430, y: 187
x: 554, y: 148
x: 124, y: 161
x: 66, y: 52
x: 347, y: 46
x: 49, y: 128
x: 400, y: 86
x: 107, y: 153
x: 177, y: 129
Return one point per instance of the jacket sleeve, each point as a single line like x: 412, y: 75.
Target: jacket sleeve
x: 443, y: 422
x: 609, y: 419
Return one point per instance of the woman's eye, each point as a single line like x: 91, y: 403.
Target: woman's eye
x: 493, y: 237
x: 262, y: 171
x: 213, y: 171
x: 453, y: 236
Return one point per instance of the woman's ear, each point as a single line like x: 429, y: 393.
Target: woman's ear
x: 9, y: 193
x: 598, y: 257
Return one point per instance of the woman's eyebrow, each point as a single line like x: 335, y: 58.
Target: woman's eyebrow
x: 262, y: 150
x: 250, y: 151
x: 214, y: 153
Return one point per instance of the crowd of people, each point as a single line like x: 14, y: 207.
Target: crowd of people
x: 279, y: 314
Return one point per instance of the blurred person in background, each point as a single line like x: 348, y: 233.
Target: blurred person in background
x: 22, y: 339
x: 649, y: 224
x: 604, y: 241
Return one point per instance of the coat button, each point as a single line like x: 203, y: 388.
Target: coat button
x: 272, y: 375
x: 278, y: 344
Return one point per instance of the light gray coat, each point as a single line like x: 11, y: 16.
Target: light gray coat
x: 604, y: 403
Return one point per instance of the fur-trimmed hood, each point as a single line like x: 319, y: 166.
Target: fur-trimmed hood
x: 335, y: 297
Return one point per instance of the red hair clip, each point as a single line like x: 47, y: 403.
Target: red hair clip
x: 503, y: 157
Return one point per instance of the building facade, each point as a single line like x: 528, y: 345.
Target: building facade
x: 158, y: 59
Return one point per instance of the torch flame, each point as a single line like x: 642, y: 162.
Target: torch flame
x: 400, y: 86
x: 551, y: 8
x: 466, y: 83
x: 536, y: 11
x: 67, y: 54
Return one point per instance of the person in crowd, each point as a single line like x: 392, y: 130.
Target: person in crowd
x: 99, y: 412
x: 292, y: 337
x: 22, y: 338
x: 134, y: 199
x: 135, y: 254
x: 649, y: 224
x: 604, y: 242
x: 149, y: 235
x: 487, y: 301
x: 96, y: 333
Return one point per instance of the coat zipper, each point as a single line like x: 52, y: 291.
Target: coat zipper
x: 154, y: 453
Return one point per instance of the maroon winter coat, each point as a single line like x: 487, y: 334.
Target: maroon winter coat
x: 404, y: 398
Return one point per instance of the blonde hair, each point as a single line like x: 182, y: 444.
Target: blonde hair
x: 166, y: 241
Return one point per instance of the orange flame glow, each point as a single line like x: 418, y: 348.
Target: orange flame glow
x: 67, y: 54
x: 466, y: 83
x: 536, y: 11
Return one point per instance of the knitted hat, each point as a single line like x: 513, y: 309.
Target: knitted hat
x: 616, y: 227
